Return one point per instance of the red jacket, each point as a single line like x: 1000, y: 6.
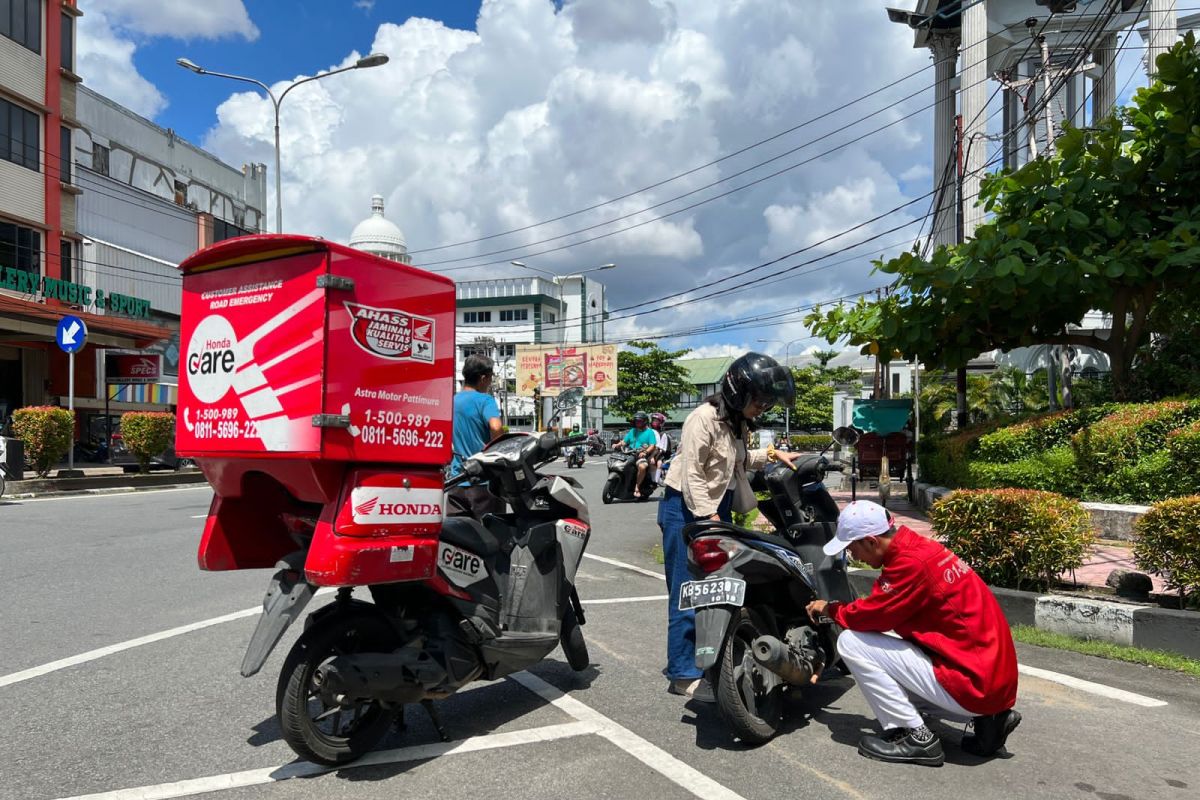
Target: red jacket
x: 931, y: 598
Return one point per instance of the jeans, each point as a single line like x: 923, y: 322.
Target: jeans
x: 673, y: 515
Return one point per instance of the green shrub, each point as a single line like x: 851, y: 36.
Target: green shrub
x: 1108, y: 451
x: 1168, y: 544
x: 48, y: 432
x: 147, y: 434
x: 1050, y: 471
x: 1014, y: 537
x: 1183, y: 455
x: 806, y: 443
x: 1038, y: 434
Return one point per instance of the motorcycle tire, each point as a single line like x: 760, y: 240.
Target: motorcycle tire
x: 610, y: 489
x: 749, y: 696
x: 573, y: 645
x: 296, y: 698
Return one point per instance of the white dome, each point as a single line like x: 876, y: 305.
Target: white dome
x: 378, y: 236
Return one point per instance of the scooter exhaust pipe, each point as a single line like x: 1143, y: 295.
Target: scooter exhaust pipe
x: 781, y: 659
x: 401, y: 677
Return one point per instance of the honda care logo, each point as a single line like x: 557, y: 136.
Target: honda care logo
x: 374, y: 505
x: 391, y: 333
x: 212, y: 358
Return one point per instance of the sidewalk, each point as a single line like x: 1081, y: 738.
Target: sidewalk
x: 1103, y: 559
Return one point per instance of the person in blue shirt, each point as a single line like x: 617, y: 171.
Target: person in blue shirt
x: 642, y: 440
x: 476, y: 422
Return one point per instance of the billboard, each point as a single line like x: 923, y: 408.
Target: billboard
x: 549, y: 369
x: 130, y: 368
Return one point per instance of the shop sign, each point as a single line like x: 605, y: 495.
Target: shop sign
x: 75, y: 294
x: 127, y: 368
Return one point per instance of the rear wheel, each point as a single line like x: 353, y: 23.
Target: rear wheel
x: 749, y: 696
x: 610, y: 489
x: 332, y: 734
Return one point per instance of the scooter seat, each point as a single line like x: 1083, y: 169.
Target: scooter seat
x: 704, y: 526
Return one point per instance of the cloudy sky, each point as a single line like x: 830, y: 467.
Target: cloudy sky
x: 568, y: 134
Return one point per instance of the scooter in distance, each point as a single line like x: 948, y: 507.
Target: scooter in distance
x: 750, y: 589
x: 575, y: 456
x: 622, y: 475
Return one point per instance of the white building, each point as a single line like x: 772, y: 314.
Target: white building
x: 379, y: 235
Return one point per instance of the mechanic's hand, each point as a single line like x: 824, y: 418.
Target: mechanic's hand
x: 817, y: 608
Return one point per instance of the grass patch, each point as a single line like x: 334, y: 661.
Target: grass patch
x: 1027, y: 634
x: 656, y: 553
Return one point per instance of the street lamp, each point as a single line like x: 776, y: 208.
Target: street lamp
x: 366, y: 62
x: 787, y: 410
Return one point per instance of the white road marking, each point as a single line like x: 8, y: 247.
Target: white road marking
x: 200, y: 516
x: 610, y: 600
x: 651, y: 755
x: 304, y: 769
x: 93, y: 493
x: 623, y: 565
x: 92, y: 655
x: 1094, y: 688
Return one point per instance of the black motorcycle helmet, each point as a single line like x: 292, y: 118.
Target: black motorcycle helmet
x: 755, y: 376
x: 641, y: 417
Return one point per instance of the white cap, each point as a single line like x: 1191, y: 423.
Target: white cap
x: 860, y: 519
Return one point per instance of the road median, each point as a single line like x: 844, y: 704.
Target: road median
x: 99, y: 484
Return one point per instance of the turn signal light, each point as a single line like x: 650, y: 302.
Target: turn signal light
x: 712, y: 553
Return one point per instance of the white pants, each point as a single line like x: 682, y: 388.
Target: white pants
x: 897, y: 678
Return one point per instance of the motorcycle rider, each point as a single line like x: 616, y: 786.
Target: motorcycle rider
x: 664, y: 445
x: 955, y: 655
x: 707, y: 480
x: 642, y: 441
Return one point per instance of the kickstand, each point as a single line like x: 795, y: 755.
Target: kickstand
x: 435, y: 719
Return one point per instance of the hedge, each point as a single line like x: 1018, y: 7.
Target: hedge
x: 1014, y: 537
x: 47, y: 432
x: 1108, y: 451
x: 1051, y: 471
x: 810, y: 443
x: 1039, y: 434
x: 147, y: 433
x: 1168, y: 544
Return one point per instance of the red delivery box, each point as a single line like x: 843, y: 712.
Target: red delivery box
x: 301, y: 348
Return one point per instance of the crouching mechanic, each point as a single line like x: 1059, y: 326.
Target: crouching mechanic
x: 955, y: 658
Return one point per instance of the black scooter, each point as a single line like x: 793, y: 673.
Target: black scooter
x: 622, y: 475
x: 575, y: 456
x: 753, y: 635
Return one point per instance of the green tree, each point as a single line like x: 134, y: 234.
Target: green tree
x: 813, y: 409
x: 823, y: 357
x: 649, y: 379
x: 1111, y: 222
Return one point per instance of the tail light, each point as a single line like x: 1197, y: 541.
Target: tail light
x: 712, y: 552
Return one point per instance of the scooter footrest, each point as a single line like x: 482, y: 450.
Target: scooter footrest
x: 476, y: 630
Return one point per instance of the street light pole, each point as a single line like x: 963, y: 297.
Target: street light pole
x: 787, y: 410
x: 373, y: 60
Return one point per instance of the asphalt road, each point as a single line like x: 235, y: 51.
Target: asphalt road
x: 170, y: 717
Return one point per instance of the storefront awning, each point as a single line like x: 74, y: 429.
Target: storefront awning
x: 14, y: 311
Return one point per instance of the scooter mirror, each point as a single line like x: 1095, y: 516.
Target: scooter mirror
x: 569, y: 399
x: 846, y: 436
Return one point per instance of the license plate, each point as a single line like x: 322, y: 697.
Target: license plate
x: 712, y: 592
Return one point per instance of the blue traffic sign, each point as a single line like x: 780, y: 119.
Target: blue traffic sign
x: 71, y: 334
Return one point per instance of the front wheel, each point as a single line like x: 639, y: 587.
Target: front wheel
x: 332, y: 734
x: 749, y: 696
x: 610, y: 489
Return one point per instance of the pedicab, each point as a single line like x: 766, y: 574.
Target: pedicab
x: 884, y: 453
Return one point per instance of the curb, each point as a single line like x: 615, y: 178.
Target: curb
x: 105, y: 484
x: 1111, y: 520
x: 1129, y: 624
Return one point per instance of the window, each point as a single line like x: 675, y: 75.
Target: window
x: 20, y: 248
x: 514, y: 314
x: 66, y: 259
x: 475, y: 350
x: 477, y: 316
x: 21, y: 21
x: 550, y: 317
x: 19, y: 140
x: 100, y: 158
x: 506, y: 351
x: 68, y: 42
x: 64, y: 155
x: 223, y: 230
x: 895, y: 383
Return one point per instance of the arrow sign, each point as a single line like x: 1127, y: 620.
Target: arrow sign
x: 71, y: 334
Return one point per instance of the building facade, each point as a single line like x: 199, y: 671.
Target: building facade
x: 97, y: 206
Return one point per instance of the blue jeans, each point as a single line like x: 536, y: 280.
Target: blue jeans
x: 673, y: 514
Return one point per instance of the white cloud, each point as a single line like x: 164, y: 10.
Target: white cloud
x: 181, y: 19
x: 542, y: 111
x: 105, y: 59
x: 365, y: 5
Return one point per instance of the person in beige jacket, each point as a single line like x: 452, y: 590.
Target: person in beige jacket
x: 707, y: 480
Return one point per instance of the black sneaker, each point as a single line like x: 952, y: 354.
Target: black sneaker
x: 901, y: 746
x: 991, y: 733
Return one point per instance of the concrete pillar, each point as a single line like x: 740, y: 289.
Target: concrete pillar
x: 945, y: 166
x: 973, y: 91
x: 1104, y: 87
x: 1163, y: 32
